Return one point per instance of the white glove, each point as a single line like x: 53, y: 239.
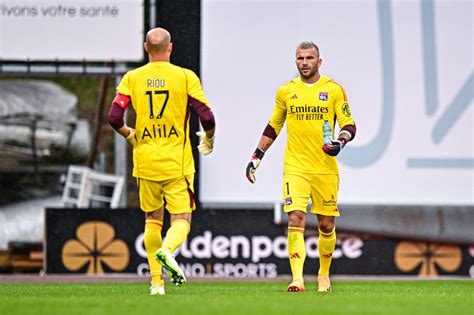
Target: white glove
x: 206, y: 145
x: 131, y: 137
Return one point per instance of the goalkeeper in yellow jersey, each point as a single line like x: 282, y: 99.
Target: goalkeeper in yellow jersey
x: 307, y: 103
x: 162, y: 96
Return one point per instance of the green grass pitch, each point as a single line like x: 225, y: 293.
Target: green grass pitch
x: 241, y: 298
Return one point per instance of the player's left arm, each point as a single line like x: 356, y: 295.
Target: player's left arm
x: 198, y: 101
x: 346, y: 123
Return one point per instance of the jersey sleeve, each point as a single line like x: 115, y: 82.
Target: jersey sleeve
x: 279, y: 111
x: 195, y: 89
x: 124, y: 85
x: 342, y: 108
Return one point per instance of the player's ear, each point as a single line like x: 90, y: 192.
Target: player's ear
x: 145, y: 47
x: 170, y: 47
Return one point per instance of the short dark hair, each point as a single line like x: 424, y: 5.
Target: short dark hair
x: 308, y: 45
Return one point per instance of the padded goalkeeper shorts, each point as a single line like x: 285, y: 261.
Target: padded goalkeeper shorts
x: 321, y: 188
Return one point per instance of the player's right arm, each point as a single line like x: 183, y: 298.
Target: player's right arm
x: 117, y: 111
x: 269, y: 135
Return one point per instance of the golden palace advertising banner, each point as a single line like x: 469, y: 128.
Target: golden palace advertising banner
x: 233, y: 243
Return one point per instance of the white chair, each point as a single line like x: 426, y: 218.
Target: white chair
x: 85, y: 188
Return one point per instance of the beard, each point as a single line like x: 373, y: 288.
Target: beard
x: 310, y: 74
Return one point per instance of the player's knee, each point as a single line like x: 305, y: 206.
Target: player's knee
x: 326, y: 226
x: 326, y: 223
x: 155, y: 215
x: 182, y: 216
x: 296, y: 218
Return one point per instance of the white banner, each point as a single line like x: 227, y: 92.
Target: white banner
x: 408, y: 72
x: 71, y: 30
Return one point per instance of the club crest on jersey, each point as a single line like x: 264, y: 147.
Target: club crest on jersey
x: 289, y: 201
x: 323, y: 96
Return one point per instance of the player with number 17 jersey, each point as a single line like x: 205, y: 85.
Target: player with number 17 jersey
x: 160, y: 93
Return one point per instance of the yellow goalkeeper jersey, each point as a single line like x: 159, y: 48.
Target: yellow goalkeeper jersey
x: 305, y: 108
x: 160, y: 93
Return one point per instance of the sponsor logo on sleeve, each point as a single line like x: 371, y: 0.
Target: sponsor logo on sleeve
x: 346, y: 109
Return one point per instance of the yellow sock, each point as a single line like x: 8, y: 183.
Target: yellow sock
x: 152, y: 240
x: 176, y: 235
x: 326, y: 245
x: 296, y: 251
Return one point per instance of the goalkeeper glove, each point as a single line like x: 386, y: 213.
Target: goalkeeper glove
x: 253, y: 165
x: 206, y: 145
x: 131, y: 137
x: 335, y: 146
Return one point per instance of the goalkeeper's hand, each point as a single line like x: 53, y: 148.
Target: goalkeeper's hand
x: 335, y: 146
x: 131, y: 137
x: 253, y: 165
x: 206, y: 145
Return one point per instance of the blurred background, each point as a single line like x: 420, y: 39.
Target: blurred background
x: 406, y: 181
